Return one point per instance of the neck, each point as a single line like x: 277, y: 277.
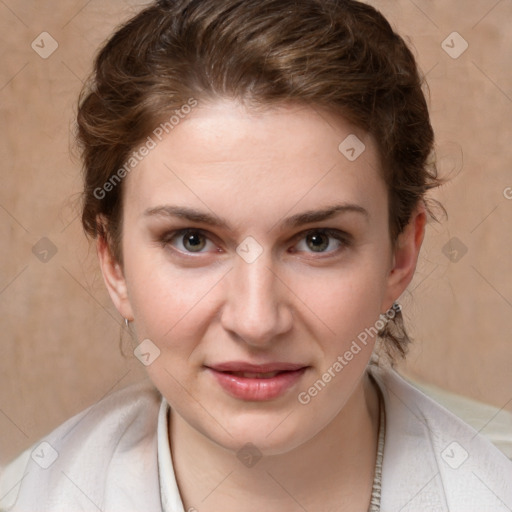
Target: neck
x: 335, y: 467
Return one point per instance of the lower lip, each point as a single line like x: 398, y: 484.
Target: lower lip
x: 257, y: 389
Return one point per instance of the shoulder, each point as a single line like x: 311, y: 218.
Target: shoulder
x: 432, y: 459
x: 84, y: 460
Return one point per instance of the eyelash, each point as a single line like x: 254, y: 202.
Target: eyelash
x: 344, y: 238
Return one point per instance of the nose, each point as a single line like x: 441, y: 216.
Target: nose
x: 257, y: 308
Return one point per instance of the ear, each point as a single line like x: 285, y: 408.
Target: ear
x: 113, y: 276
x: 405, y: 256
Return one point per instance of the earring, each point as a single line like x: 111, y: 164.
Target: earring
x: 126, y: 322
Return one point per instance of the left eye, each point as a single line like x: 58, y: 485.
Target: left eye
x: 319, y: 240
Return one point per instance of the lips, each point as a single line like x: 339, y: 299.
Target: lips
x: 254, y: 375
x: 254, y: 382
x: 262, y: 369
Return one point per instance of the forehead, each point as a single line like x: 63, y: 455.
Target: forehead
x: 270, y: 159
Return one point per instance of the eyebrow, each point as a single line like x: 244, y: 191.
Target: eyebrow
x: 294, y: 221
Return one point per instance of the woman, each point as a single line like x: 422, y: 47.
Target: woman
x: 255, y: 178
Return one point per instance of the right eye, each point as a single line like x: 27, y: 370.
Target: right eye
x: 186, y: 240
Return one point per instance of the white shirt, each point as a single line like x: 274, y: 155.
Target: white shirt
x: 115, y: 457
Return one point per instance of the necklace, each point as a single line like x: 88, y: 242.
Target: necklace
x: 377, y: 478
x: 376, y: 487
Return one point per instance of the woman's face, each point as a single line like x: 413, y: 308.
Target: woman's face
x: 287, y: 260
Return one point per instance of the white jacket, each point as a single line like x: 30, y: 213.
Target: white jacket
x: 115, y: 457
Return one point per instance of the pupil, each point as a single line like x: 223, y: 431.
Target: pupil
x: 193, y: 240
x: 318, y: 239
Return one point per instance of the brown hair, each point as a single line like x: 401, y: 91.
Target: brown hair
x: 341, y: 55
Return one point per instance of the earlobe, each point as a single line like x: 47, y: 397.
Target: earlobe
x: 405, y: 256
x: 114, y: 279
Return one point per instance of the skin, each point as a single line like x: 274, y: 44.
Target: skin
x: 295, y: 303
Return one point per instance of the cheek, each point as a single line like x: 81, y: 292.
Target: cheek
x: 345, y: 302
x: 168, y: 301
x: 348, y: 309
x: 173, y: 305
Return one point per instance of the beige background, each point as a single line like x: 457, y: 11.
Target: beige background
x: 60, y: 333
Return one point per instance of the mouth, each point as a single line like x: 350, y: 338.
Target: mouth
x: 257, y: 385
x: 253, y: 375
x: 252, y: 368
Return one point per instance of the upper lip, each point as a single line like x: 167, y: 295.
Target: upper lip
x: 241, y: 366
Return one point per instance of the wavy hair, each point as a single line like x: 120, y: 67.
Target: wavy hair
x: 342, y: 55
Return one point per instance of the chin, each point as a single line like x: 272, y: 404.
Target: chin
x: 265, y: 436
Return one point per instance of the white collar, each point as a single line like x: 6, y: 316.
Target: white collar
x: 433, y: 460
x: 169, y: 492
x: 418, y: 471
